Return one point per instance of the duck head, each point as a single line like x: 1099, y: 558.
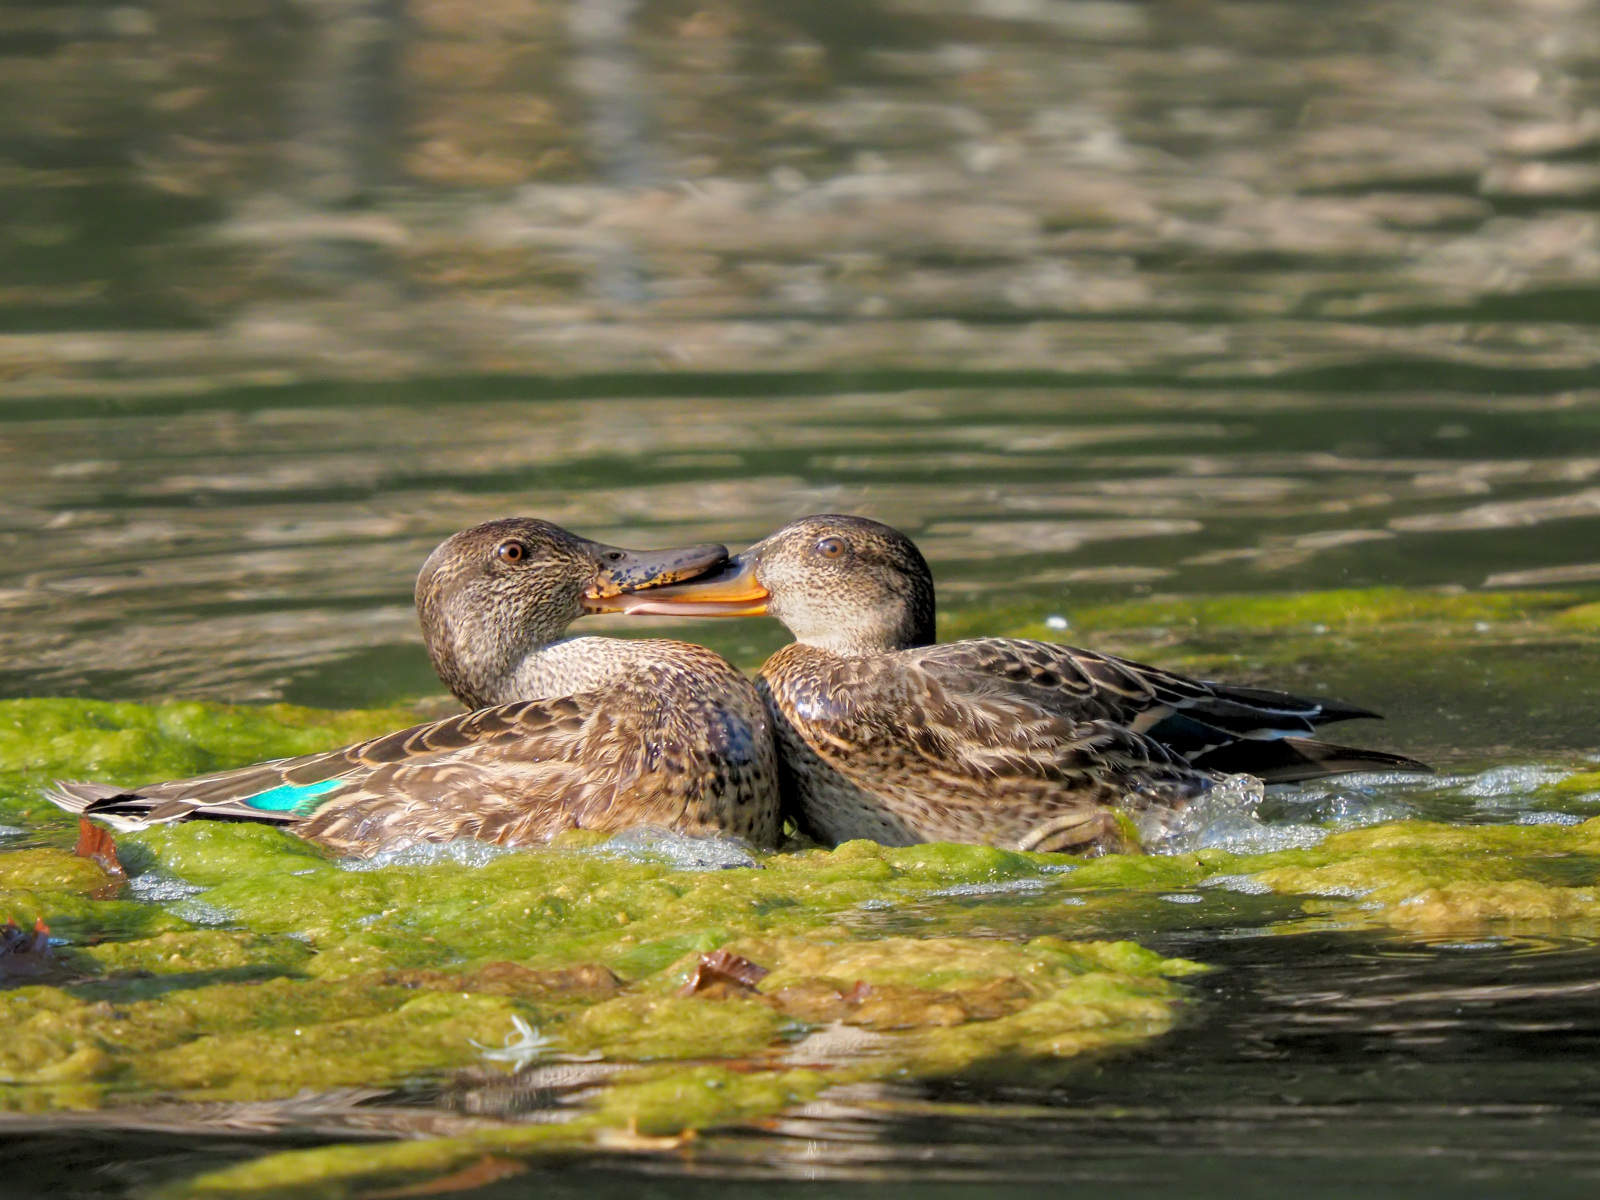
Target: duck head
x: 844, y: 584
x: 491, y: 596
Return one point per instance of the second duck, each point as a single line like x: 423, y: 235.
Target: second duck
x: 1002, y: 741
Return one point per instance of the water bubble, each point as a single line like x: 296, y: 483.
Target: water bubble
x: 650, y: 844
x: 993, y: 889
x: 158, y: 887
x: 1179, y: 830
x: 466, y: 852
x: 1247, y: 884
x: 1548, y: 818
x: 198, y: 912
x: 1500, y: 782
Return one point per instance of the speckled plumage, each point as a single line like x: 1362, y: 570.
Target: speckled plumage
x: 910, y: 747
x: 1001, y: 741
x: 627, y: 733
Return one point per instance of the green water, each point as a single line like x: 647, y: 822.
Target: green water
x: 1258, y: 340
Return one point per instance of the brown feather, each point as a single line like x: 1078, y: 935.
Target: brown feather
x: 676, y: 738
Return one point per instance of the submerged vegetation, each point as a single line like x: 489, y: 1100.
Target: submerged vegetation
x: 235, y: 964
x: 1367, y: 625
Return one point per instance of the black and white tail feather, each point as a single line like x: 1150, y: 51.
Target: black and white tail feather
x: 1212, y: 726
x: 303, y: 785
x: 130, y: 811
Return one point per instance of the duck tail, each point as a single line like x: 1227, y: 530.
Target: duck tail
x: 1292, y: 760
x: 128, y: 811
x: 77, y: 797
x: 1268, y: 704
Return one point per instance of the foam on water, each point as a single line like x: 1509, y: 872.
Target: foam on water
x: 1177, y: 831
x: 1548, y: 818
x: 1516, y: 792
x: 1009, y: 886
x: 650, y: 844
x: 158, y: 887
x: 1336, y: 889
x: 198, y: 912
x: 1247, y: 884
x: 1246, y: 819
x: 467, y: 852
x: 1173, y: 831
x: 1499, y: 783
x: 1242, y: 833
x: 1242, y: 816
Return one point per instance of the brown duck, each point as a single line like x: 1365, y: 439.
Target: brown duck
x: 1002, y: 741
x: 567, y: 733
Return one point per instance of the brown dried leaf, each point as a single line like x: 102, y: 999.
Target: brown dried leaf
x: 95, y: 844
x: 728, y: 973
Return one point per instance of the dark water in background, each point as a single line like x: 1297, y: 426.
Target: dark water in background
x: 1097, y: 299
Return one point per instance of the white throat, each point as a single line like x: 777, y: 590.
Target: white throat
x: 570, y: 666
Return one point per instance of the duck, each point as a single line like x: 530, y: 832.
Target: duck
x: 884, y: 734
x: 592, y: 733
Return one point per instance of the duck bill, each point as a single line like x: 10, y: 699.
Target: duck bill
x: 623, y: 572
x: 732, y: 592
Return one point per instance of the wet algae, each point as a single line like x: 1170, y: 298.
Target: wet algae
x: 240, y: 965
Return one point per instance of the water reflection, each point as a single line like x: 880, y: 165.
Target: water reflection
x: 1177, y: 187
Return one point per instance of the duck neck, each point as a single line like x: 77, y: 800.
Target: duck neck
x: 866, y: 635
x: 852, y: 643
x: 563, y: 668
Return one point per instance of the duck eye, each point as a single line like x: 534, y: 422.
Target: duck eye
x: 511, y: 552
x: 831, y: 547
x: 612, y: 556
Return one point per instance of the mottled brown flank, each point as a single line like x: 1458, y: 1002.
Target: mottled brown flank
x: 680, y: 741
x: 928, y: 745
x: 678, y: 738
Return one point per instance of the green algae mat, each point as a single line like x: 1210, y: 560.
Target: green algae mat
x: 464, y: 1007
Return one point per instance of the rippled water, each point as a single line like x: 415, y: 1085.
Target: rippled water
x: 1097, y: 299
x: 252, y: 545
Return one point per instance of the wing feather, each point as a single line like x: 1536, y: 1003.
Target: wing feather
x: 681, y: 742
x: 1212, y: 725
x: 978, y: 732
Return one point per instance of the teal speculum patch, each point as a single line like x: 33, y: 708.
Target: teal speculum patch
x: 293, y: 798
